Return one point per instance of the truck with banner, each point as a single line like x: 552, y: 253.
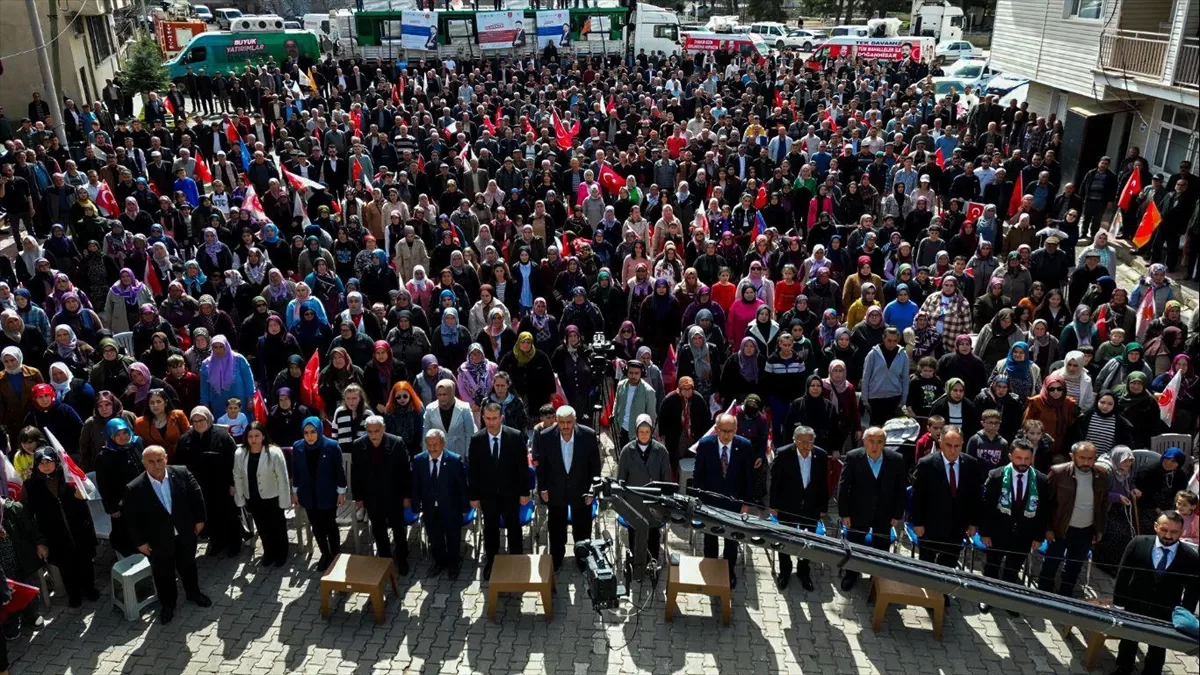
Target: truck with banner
x: 223, y: 51
x: 884, y: 49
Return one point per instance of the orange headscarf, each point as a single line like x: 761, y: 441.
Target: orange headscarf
x: 414, y: 400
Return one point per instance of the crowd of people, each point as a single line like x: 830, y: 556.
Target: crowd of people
x: 436, y: 267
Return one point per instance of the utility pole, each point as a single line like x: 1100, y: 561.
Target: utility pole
x: 39, y: 41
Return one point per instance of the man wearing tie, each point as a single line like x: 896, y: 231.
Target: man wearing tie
x: 499, y: 481
x: 440, y: 495
x: 1157, y: 574
x: 871, y: 495
x: 946, y: 491
x: 381, y: 482
x: 568, y: 459
x: 163, y: 512
x: 799, y: 494
x: 724, y: 479
x: 1016, y: 508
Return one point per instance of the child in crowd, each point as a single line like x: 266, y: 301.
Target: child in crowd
x: 1113, y: 347
x: 1186, y: 502
x: 924, y: 389
x: 987, y: 445
x: 930, y: 441
x: 1035, y: 433
x: 234, y: 418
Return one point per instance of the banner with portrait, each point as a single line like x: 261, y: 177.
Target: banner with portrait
x: 553, y: 26
x: 501, y: 30
x: 418, y: 31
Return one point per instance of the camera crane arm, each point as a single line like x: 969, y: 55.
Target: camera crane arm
x: 660, y: 502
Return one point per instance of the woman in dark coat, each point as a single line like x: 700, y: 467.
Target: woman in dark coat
x: 572, y: 362
x: 450, y: 340
x: 48, y: 413
x: 660, y: 320
x: 381, y: 375
x: 117, y: 464
x: 682, y: 418
x: 812, y: 409
x: 1159, y: 484
x: 742, y: 373
x: 531, y: 372
x: 65, y: 522
x: 207, y: 451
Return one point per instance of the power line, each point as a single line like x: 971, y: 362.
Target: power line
x: 56, y: 37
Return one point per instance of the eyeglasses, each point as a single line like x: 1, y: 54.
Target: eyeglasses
x: 1056, y: 389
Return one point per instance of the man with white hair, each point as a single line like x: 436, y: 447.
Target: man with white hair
x: 163, y: 513
x: 452, y: 417
x: 440, y: 496
x: 568, y: 460
x: 724, y: 479
x: 382, y: 483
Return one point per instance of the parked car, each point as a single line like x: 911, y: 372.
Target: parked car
x: 1004, y: 83
x: 975, y: 72
x: 226, y: 15
x: 804, y: 40
x: 956, y: 49
x: 204, y: 13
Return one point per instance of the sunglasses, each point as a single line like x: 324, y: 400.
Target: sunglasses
x: 1056, y: 389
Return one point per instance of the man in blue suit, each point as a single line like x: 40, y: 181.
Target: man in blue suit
x: 440, y: 495
x: 724, y: 478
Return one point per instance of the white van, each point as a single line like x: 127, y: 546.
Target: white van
x: 203, y: 13
x: 225, y: 16
x: 321, y: 25
x: 850, y: 31
x: 655, y: 30
x: 772, y: 32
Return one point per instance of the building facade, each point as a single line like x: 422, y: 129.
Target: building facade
x: 1119, y: 73
x: 86, y: 40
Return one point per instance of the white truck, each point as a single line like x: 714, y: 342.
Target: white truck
x: 937, y: 19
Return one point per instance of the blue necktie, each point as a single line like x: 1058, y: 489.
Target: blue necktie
x: 1165, y: 558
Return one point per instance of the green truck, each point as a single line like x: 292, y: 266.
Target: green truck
x: 222, y: 52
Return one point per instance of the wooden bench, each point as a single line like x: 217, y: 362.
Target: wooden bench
x: 1095, y: 639
x: 702, y: 576
x: 886, y: 592
x: 521, y: 574
x: 359, y: 574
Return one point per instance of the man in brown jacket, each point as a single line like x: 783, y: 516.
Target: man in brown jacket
x: 1080, y: 500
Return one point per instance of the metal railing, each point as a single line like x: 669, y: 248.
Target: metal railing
x: 1187, y: 63
x: 1134, y: 52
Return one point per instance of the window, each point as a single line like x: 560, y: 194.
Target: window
x: 1177, y: 139
x: 667, y: 32
x: 1083, y: 9
x: 198, y: 55
x: 97, y: 29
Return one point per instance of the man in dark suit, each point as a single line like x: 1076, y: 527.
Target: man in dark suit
x: 724, y: 479
x: 568, y: 459
x: 1016, y: 508
x: 381, y: 481
x: 499, y: 481
x: 799, y: 494
x: 871, y: 494
x: 163, y: 512
x: 946, y: 491
x: 440, y: 495
x: 1157, y: 574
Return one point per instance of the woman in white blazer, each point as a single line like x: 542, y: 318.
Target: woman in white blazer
x: 462, y: 422
x: 260, y: 484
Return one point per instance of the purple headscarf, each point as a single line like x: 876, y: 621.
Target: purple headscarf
x: 221, y: 370
x: 143, y: 390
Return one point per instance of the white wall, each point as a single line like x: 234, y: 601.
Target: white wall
x: 1032, y: 38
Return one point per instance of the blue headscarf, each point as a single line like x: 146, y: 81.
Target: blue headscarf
x: 449, y: 333
x: 115, y: 426
x: 1014, y: 368
x: 381, y: 257
x: 315, y: 423
x: 270, y: 234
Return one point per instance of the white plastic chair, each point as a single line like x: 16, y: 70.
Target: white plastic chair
x: 125, y: 340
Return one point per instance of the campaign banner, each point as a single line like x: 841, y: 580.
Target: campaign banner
x: 694, y: 43
x: 553, y: 26
x: 245, y: 47
x: 888, y: 50
x: 418, y: 31
x: 500, y: 30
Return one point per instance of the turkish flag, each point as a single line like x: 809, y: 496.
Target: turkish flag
x: 761, y: 199
x: 231, y: 133
x: 610, y: 179
x: 202, y: 171
x: 1014, y: 202
x: 940, y: 159
x: 974, y: 211
x: 1133, y: 187
x: 310, y: 394
x: 107, y: 202
x: 529, y: 127
x: 778, y: 99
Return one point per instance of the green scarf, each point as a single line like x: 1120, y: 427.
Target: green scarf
x: 1007, y: 494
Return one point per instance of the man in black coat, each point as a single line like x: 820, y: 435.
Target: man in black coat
x: 569, y: 458
x: 947, y: 487
x: 164, y: 511
x: 870, y: 495
x: 1157, y: 574
x: 1016, y: 509
x: 724, y: 479
x: 799, y: 494
x: 498, y: 481
x: 381, y: 481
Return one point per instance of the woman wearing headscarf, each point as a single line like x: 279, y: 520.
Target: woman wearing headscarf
x: 207, y: 451
x: 279, y: 292
x: 335, y: 377
x: 1080, y: 332
x: 84, y: 322
x: 1161, y: 351
x: 697, y: 359
x: 921, y: 339
x: 989, y: 304
x: 1024, y: 376
x: 1102, y: 426
x: 404, y: 417
x: 869, y: 332
x: 178, y: 308
x: 1188, y: 393
x: 450, y: 340
x: 950, y: 311
x: 543, y: 326
x: 17, y: 383
x: 1172, y: 317
x: 659, y: 320
x: 235, y: 297
x: 531, y: 372
x: 32, y: 315
x: 1157, y: 486
x: 475, y: 376
x: 311, y: 333
x: 116, y: 466
x: 1043, y: 346
x: 150, y: 323
x: 124, y: 298
x: 381, y: 374
x: 64, y: 522
x: 813, y: 409
x: 683, y: 419
x: 610, y: 298
x: 1137, y: 405
x: 763, y: 329
x: 963, y: 363
x: 1056, y: 411
x: 1079, y: 383
x: 52, y: 416
x: 841, y: 393
x: 214, y: 256
x: 957, y: 408
x: 495, y: 337
x: 70, y: 351
x: 743, y: 312
x: 216, y: 321
x: 141, y: 383
x: 74, y: 391
x: 94, y: 436
x: 1117, y: 370
x: 409, y: 343
x: 857, y: 311
x: 157, y: 355
x: 319, y: 486
x: 225, y: 374
x: 1119, y: 526
x: 573, y: 366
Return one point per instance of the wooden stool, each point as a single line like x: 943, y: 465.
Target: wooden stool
x: 703, y: 576
x: 886, y: 592
x: 359, y: 574
x: 1095, y: 639
x: 521, y: 574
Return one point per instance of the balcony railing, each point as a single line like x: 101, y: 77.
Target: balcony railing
x: 1146, y: 56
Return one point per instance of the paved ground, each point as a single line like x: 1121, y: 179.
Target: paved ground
x: 268, y: 621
